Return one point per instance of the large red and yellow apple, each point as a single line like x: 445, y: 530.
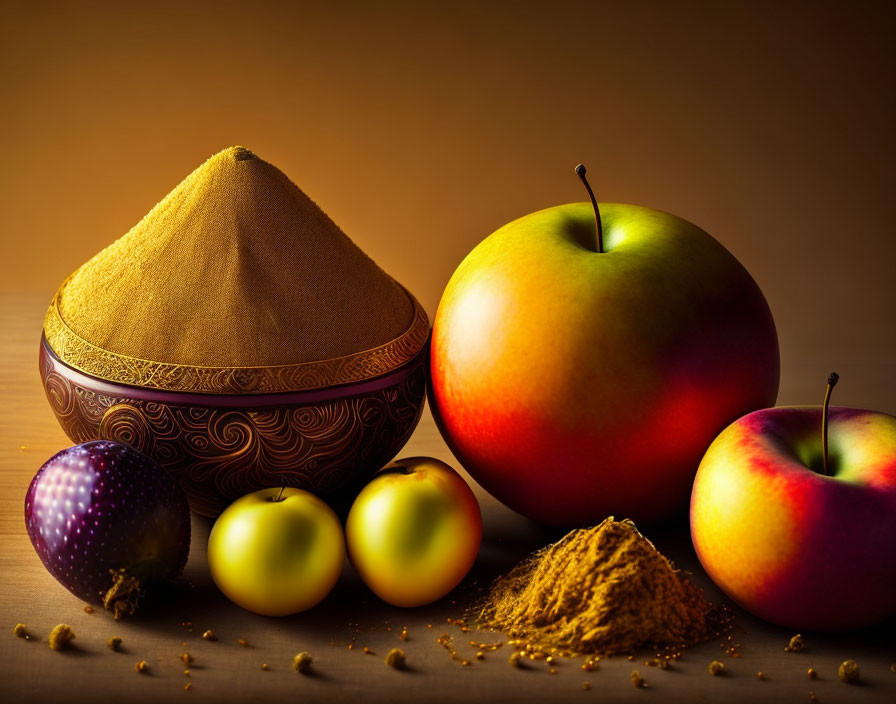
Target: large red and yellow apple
x: 788, y: 542
x: 414, y: 531
x: 581, y: 371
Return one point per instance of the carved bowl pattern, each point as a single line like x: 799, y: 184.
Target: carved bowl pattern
x: 222, y: 447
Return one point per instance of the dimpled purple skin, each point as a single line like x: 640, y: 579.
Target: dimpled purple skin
x: 102, y: 507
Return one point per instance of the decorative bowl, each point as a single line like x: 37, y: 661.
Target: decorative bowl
x: 222, y: 446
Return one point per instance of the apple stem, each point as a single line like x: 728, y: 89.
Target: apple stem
x: 280, y: 493
x: 832, y: 382
x: 598, y: 229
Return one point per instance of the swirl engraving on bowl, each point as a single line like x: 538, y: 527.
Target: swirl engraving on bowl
x: 220, y: 454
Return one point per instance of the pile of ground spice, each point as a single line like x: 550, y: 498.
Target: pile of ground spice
x: 601, y: 590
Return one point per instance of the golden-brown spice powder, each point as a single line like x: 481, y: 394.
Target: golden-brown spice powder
x: 601, y: 590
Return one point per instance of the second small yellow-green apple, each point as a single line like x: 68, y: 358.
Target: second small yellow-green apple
x: 582, y: 361
x: 414, y: 531
x: 796, y: 540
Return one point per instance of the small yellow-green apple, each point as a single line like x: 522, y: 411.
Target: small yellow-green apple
x: 582, y: 360
x: 276, y: 551
x: 793, y: 539
x: 414, y: 531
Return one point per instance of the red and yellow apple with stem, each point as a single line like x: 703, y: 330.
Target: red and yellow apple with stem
x: 584, y: 357
x: 793, y: 515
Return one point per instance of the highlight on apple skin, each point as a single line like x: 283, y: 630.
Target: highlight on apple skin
x: 575, y: 381
x: 787, y: 542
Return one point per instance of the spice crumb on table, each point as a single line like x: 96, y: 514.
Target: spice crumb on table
x: 848, y: 672
x: 396, y: 658
x: 302, y: 662
x: 795, y: 645
x: 61, y: 637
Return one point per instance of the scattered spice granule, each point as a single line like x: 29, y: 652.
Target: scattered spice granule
x: 586, y: 686
x: 187, y: 673
x: 396, y: 658
x: 368, y: 651
x: 760, y: 675
x: 210, y: 635
x: 637, y: 680
x: 553, y: 671
x: 264, y: 666
x: 893, y: 667
x: 88, y: 609
x: 243, y: 642
x: 795, y: 645
x: 588, y: 665
x: 302, y: 662
x: 465, y: 663
x: 848, y: 672
x: 142, y: 667
x: 186, y: 658
x: 716, y: 668
x: 404, y: 633
x: 515, y: 659
x: 187, y: 624
x: 445, y: 641
x: 20, y: 630
x: 812, y: 697
x: 61, y: 636
x: 486, y: 647
x: 114, y: 643
x: 812, y: 673
x: 188, y: 687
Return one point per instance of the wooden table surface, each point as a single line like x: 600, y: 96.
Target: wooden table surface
x: 225, y: 671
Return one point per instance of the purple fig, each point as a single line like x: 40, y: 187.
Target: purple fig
x: 106, y: 521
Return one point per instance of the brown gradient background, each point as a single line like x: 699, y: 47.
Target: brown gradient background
x: 422, y: 127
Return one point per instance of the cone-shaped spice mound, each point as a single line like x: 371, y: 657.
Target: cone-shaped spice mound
x: 601, y: 590
x: 234, y: 269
